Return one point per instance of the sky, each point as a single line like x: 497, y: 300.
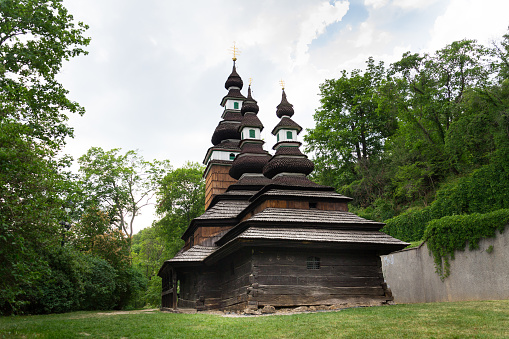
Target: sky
x: 154, y: 76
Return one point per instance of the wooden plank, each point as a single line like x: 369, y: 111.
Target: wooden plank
x: 327, y: 281
x: 315, y: 291
x: 341, y: 271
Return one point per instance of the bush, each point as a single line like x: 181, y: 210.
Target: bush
x: 483, y: 191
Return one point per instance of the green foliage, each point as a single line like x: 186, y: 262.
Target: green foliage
x: 446, y: 235
x: 351, y: 126
x: 181, y: 198
x: 35, y: 38
x: 121, y: 184
x: 485, y: 190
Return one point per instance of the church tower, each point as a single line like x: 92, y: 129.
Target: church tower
x: 226, y: 139
x: 288, y: 166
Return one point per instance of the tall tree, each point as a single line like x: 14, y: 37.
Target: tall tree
x: 121, y: 184
x: 352, y: 124
x: 35, y: 38
x: 181, y: 198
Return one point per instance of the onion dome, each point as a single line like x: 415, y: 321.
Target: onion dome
x: 251, y: 120
x: 248, y: 163
x: 225, y: 130
x: 249, y: 105
x: 284, y: 108
x: 286, y: 123
x: 288, y: 164
x: 234, y: 80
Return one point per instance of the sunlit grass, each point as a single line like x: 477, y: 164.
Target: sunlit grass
x: 479, y: 319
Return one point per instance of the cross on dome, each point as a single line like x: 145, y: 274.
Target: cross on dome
x: 235, y: 51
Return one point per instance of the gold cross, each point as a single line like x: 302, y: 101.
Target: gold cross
x: 250, y: 81
x: 282, y: 83
x: 235, y: 51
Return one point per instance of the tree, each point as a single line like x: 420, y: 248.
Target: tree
x: 35, y: 38
x: 352, y: 125
x: 432, y: 91
x: 181, y: 198
x: 121, y: 184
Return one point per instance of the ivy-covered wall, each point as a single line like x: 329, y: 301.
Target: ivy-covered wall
x: 479, y: 274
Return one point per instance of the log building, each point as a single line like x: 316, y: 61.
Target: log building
x: 269, y: 235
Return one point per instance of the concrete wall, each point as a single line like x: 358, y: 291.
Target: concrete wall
x: 475, y: 275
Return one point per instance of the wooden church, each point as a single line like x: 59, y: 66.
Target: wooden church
x: 269, y: 235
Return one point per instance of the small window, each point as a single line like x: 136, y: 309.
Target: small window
x: 232, y: 268
x: 289, y: 135
x: 312, y: 205
x: 313, y: 263
x: 278, y: 137
x: 232, y: 156
x: 235, y: 105
x: 252, y: 133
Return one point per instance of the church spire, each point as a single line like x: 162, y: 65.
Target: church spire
x: 248, y: 165
x: 288, y: 165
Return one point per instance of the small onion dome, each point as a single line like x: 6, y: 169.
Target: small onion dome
x: 284, y: 108
x: 251, y: 120
x: 251, y: 182
x: 286, y: 123
x: 250, y: 104
x: 233, y: 93
x: 232, y: 116
x: 289, y: 150
x: 225, y: 130
x: 294, y: 180
x: 248, y: 163
x: 285, y: 164
x: 234, y: 80
x: 252, y: 146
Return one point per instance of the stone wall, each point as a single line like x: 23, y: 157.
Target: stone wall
x: 482, y: 274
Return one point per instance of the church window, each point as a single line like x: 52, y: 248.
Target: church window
x: 232, y: 156
x: 235, y: 105
x: 313, y: 263
x: 252, y: 133
x: 289, y: 135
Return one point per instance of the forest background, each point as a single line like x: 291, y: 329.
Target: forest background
x: 421, y: 144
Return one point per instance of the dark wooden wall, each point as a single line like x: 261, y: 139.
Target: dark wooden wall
x: 282, y: 279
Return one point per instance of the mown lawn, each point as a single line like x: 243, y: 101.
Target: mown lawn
x: 479, y: 319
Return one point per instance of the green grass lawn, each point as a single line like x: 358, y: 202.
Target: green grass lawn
x: 477, y: 319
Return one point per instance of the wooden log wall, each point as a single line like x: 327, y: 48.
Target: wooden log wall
x: 235, y: 279
x: 281, y: 277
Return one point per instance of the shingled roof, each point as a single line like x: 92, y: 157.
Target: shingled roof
x: 224, y: 209
x: 314, y: 216
x: 195, y: 254
x: 306, y: 234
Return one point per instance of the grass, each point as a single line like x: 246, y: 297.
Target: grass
x: 476, y: 319
x: 415, y: 244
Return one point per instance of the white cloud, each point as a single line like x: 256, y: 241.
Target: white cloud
x: 482, y: 20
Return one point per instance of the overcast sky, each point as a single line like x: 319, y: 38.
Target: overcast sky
x: 155, y: 73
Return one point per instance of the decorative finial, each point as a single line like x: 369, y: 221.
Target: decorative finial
x: 235, y: 52
x: 282, y: 83
x: 250, y: 81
